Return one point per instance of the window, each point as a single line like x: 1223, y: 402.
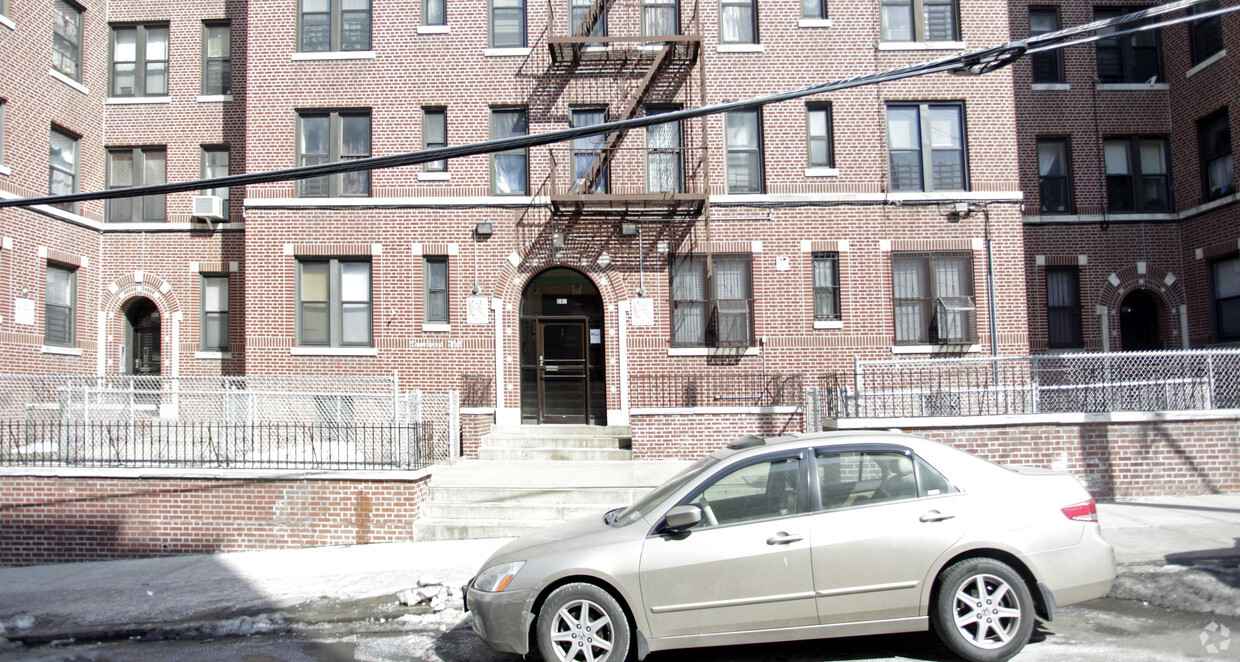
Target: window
x: 1048, y: 65
x: 3, y: 103
x: 510, y: 168
x: 826, y: 286
x: 859, y: 478
x: 660, y: 17
x: 762, y: 490
x: 919, y: 20
x: 1063, y: 307
x: 435, y: 292
x: 926, y: 138
x: 137, y: 166
x: 330, y: 136
x: 1225, y: 291
x: 63, y: 166
x: 507, y: 23
x: 215, y: 164
x: 434, y: 12
x: 435, y: 134
x: 578, y: 11
x: 738, y: 21
x: 216, y: 59
x: 814, y: 9
x: 664, y: 154
x: 1137, y: 174
x: 140, y: 61
x: 214, y: 313
x: 58, y: 308
x: 588, y: 151
x: 1218, y: 175
x: 1134, y: 58
x: 67, y: 39
x: 714, y: 312
x: 821, y: 136
x: 334, y: 305
x: 744, y: 138
x: 933, y: 298
x: 335, y: 25
x: 1205, y: 36
x: 1054, y: 175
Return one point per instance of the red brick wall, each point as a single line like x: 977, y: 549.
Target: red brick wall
x: 58, y: 519
x: 669, y: 436
x: 473, y: 428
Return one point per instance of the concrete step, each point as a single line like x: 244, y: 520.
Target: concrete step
x: 483, y: 496
x: 488, y: 454
x: 562, y: 430
x: 435, y: 529
x: 606, y: 442
x: 514, y: 512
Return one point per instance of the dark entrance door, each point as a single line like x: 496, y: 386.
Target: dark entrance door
x: 562, y: 350
x: 563, y: 384
x: 1138, y: 323
x: 144, y: 332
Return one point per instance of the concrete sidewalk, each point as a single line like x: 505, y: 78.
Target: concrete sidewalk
x: 1167, y: 548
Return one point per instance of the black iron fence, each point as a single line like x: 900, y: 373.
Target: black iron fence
x: 718, y: 390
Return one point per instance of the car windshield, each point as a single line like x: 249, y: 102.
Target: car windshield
x: 647, y: 503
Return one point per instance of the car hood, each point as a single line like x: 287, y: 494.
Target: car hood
x: 575, y: 534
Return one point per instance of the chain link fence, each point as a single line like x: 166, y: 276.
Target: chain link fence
x: 234, y: 422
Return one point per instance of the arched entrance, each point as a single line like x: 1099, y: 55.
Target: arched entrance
x: 142, y: 344
x: 562, y: 355
x: 1139, y: 323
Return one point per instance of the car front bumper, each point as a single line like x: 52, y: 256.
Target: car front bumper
x: 501, y: 619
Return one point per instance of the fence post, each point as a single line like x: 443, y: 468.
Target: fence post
x: 1209, y: 380
x: 454, y: 425
x: 857, y: 384
x: 1035, y: 381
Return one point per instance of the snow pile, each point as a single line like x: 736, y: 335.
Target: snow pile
x: 434, y: 606
x: 15, y: 624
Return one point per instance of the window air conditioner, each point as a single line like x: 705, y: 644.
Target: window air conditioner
x: 210, y: 207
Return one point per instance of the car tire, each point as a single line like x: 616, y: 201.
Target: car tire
x: 580, y: 622
x: 983, y: 610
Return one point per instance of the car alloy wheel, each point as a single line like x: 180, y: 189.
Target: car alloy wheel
x: 984, y: 611
x: 582, y: 623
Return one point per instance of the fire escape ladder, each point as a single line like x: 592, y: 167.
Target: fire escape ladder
x: 592, y: 17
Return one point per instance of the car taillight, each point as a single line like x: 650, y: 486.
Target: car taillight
x: 1082, y: 512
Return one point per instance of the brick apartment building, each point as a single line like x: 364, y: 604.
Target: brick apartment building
x: 566, y: 284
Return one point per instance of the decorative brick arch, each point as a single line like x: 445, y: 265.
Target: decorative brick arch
x: 123, y: 291
x: 1163, y: 285
x: 610, y: 286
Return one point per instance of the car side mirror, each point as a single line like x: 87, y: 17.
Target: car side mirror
x: 682, y: 518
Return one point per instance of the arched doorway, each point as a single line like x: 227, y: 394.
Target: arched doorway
x: 1139, y: 322
x: 142, y: 344
x: 562, y: 355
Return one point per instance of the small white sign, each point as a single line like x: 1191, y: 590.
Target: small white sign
x: 476, y: 310
x: 23, y: 311
x: 643, y: 312
x: 596, y: 336
x: 783, y: 263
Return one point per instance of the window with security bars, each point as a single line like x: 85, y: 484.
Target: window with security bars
x: 744, y: 144
x: 920, y: 20
x: 214, y: 313
x: 664, y: 154
x: 926, y: 146
x: 140, y: 60
x: 826, y: 266
x: 334, y: 25
x: 660, y: 17
x: 67, y: 39
x: 1138, y: 173
x: 216, y: 59
x: 434, y: 134
x: 1225, y: 297
x: 1218, y: 174
x: 1054, y: 175
x: 714, y: 311
x: 334, y: 307
x: 1048, y: 65
x: 137, y: 166
x: 933, y: 298
x: 1205, y: 35
x: 507, y: 23
x: 60, y: 300
x: 1132, y: 58
x: 1063, y: 307
x: 215, y: 164
x: 435, y: 289
x: 330, y: 136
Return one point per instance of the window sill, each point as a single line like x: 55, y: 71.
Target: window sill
x: 434, y: 176
x: 214, y: 98
x: 436, y: 328
x: 822, y: 172
x: 333, y: 55
x: 136, y: 101
x: 1131, y: 87
x: 1050, y: 87
x: 922, y: 45
x: 434, y: 29
x: 828, y: 324
x: 935, y: 349
x: 213, y: 355
x: 62, y: 351
x: 521, y: 51
x: 712, y: 351
x: 1205, y: 63
x: 333, y: 351
x: 68, y: 81
x: 814, y: 23
x: 739, y: 48
x: 8, y: 22
x: 5, y: 170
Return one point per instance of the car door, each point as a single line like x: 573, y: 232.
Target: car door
x: 746, y: 566
x: 886, y: 517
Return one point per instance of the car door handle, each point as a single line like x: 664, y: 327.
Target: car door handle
x: 935, y: 516
x: 782, y: 538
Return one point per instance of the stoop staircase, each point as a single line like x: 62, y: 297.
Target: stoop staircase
x: 529, y: 477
